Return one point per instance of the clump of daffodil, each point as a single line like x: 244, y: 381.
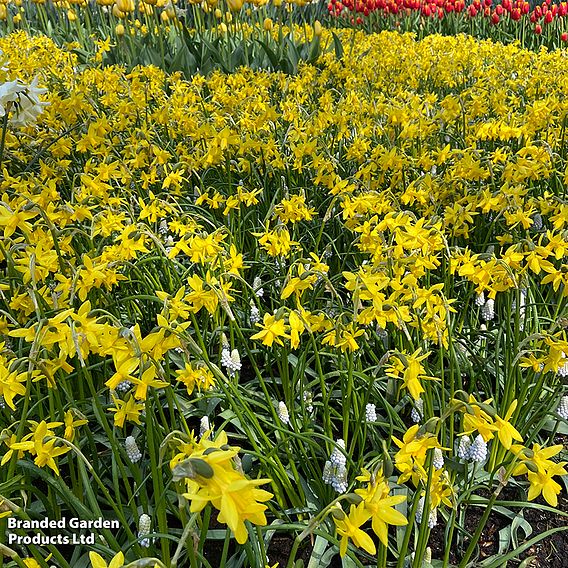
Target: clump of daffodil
x: 540, y: 470
x: 375, y: 504
x: 210, y: 473
x: 409, y: 368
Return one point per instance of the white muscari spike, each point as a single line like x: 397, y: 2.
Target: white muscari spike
x: 204, y: 425
x: 339, y: 482
x: 562, y: 409
x: 417, y: 412
x: 337, y: 457
x: 308, y: 400
x: 463, y: 448
x: 478, y: 450
x: 371, y: 413
x: 438, y: 461
x: 283, y: 412
x: 254, y: 314
x: 235, y: 361
x: 480, y: 300
x: 144, y: 526
x: 132, y: 450
x: 124, y: 386
x: 257, y: 287
x: 488, y: 310
x: 420, y: 510
x: 335, y: 471
x: 433, y: 518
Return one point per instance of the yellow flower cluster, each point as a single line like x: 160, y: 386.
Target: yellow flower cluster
x: 211, y: 475
x: 391, y: 195
x: 376, y: 504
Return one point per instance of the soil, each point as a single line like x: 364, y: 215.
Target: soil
x: 551, y: 552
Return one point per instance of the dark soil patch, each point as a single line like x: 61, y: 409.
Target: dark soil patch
x: 551, y: 552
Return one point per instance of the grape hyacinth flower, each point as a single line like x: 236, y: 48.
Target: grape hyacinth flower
x: 562, y: 409
x: 478, y: 450
x: 132, y: 450
x: 463, y: 447
x: 371, y: 413
x: 144, y: 525
x: 417, y: 412
x: 283, y: 412
x: 335, y: 471
x: 488, y: 310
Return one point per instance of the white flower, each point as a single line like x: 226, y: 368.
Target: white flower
x: 257, y: 287
x: 204, y: 425
x: 23, y: 100
x: 480, y: 300
x: 283, y: 412
x: 124, y: 386
x: 144, y: 525
x: 438, y: 461
x: 488, y: 310
x: 562, y: 409
x: 371, y: 413
x: 336, y: 476
x: 254, y: 314
x: 231, y: 360
x: 308, y: 401
x: 432, y: 516
x: 463, y: 448
x: 478, y: 450
x: 417, y: 412
x: 132, y: 450
x: 537, y: 222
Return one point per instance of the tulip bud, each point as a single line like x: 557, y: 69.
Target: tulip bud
x: 235, y: 5
x: 317, y: 28
x: 119, y: 30
x: 268, y: 27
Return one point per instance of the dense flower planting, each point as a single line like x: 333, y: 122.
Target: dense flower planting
x: 328, y: 305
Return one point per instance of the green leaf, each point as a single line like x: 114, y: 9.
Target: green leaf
x: 316, y: 558
x: 338, y: 46
x: 271, y: 55
x: 314, y: 50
